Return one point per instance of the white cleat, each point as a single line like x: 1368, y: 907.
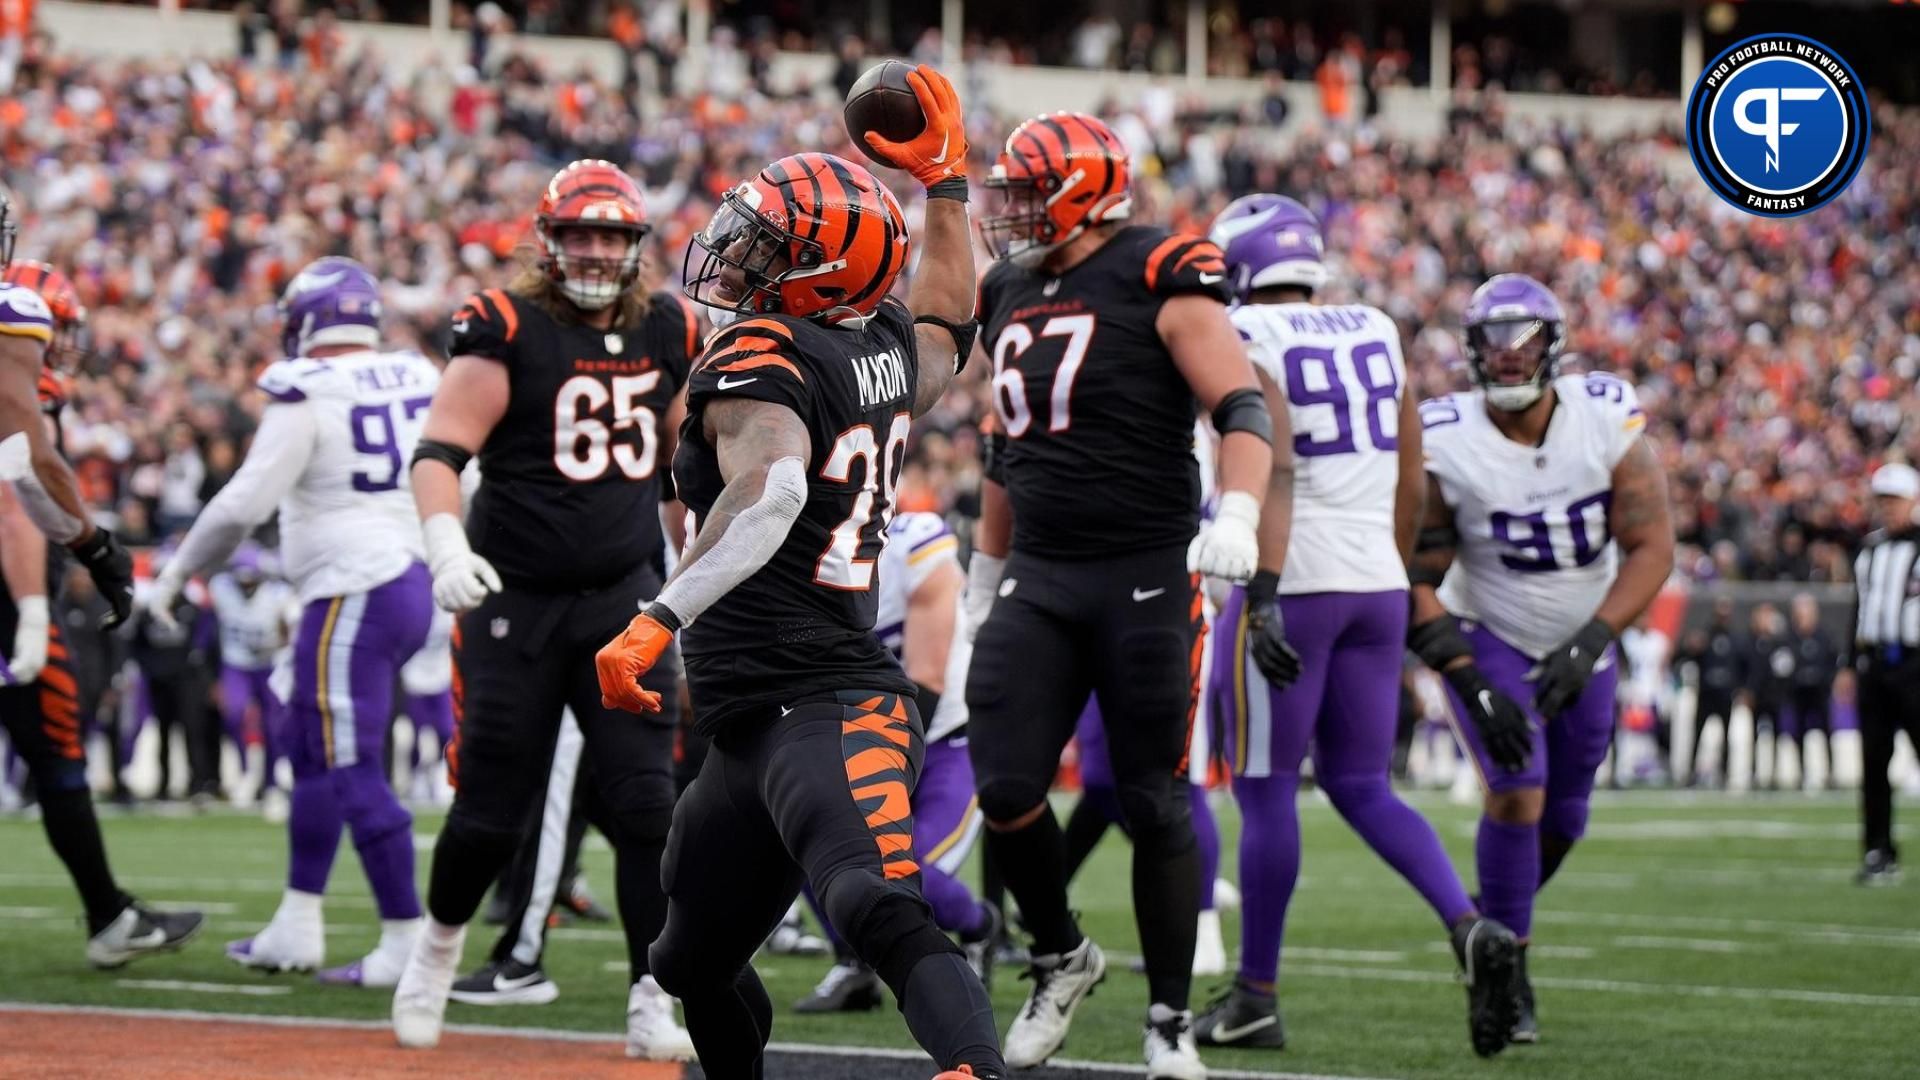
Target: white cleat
x: 652, y: 1032
x: 1171, y: 1054
x: 1060, y: 983
x: 282, y: 946
x: 1209, y: 947
x: 420, y: 997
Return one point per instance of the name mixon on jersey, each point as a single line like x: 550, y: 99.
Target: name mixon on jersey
x: 882, y: 378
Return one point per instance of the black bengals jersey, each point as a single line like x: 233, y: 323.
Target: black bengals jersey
x: 803, y: 624
x: 1099, y: 422
x: 570, y: 477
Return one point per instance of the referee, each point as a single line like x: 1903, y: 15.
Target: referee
x: 1887, y: 655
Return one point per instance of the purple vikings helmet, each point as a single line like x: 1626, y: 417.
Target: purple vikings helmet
x: 334, y: 301
x: 1270, y: 240
x: 1515, y: 329
x: 246, y: 564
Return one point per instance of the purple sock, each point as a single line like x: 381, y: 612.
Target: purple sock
x: 1207, y: 832
x: 954, y: 908
x: 1269, y: 866
x: 1398, y: 834
x: 314, y: 823
x: 1508, y: 857
x: 383, y: 835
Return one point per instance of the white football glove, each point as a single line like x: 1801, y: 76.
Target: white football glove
x: 159, y: 599
x: 461, y: 579
x: 29, y: 654
x: 1230, y: 547
x: 983, y: 581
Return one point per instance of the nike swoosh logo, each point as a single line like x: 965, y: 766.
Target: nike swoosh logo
x: 148, y: 940
x: 941, y: 157
x: 1141, y: 596
x: 1230, y: 1034
x: 501, y: 982
x: 725, y: 383
x: 784, y: 710
x: 1486, y: 702
x: 1212, y: 279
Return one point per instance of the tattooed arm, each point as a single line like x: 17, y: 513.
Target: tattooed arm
x: 1641, y: 521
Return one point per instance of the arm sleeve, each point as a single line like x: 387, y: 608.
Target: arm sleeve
x: 755, y: 359
x: 282, y: 447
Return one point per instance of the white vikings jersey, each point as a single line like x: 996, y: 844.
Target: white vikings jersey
x: 1342, y: 372
x: 1535, y: 557
x: 250, y: 626
x: 918, y: 544
x: 349, y: 522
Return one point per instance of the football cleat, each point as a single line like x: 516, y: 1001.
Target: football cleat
x: 1226, y: 895
x: 847, y: 987
x: 791, y: 938
x: 1171, y: 1054
x: 1241, y: 1016
x: 1526, y: 1029
x: 652, y: 1032
x: 1489, y: 963
x: 1878, y: 868
x: 1060, y: 983
x: 420, y: 997
x: 139, y: 931
x: 281, y: 947
x: 578, y: 900
x: 511, y: 983
x: 981, y: 946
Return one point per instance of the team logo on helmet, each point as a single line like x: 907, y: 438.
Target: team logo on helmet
x: 1778, y: 125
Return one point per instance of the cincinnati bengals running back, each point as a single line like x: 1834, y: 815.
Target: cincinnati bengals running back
x: 798, y: 417
x: 1106, y: 339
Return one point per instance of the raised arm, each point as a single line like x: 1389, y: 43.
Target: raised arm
x: 468, y: 404
x: 763, y: 452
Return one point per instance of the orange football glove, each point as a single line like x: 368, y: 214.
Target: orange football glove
x: 623, y: 660
x: 940, y: 151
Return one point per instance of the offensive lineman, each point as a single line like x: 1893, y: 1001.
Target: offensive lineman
x: 1357, y: 490
x: 567, y: 386
x: 796, y: 435
x: 1557, y: 509
x: 1102, y: 336
x: 330, y: 456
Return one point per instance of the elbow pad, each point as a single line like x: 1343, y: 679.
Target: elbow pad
x: 962, y: 333
x: 446, y: 453
x: 1244, y: 410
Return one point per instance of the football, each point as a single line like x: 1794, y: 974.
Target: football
x: 883, y: 101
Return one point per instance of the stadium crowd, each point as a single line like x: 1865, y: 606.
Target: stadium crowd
x: 1774, y: 358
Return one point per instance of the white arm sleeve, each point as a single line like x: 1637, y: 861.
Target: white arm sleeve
x: 281, y: 450
x: 750, y: 540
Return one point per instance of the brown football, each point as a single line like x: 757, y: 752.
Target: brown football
x: 883, y: 101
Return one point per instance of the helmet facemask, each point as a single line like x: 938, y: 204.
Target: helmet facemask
x: 1015, y: 225
x: 746, y: 258
x: 1512, y: 360
x: 592, y: 282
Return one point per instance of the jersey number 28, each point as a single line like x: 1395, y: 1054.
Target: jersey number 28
x: 848, y: 561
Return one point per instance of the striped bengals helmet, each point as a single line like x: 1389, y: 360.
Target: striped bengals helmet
x: 70, y: 343
x: 1058, y: 174
x: 812, y: 236
x: 591, y: 194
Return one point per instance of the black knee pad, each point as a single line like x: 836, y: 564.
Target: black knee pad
x: 1159, y: 818
x: 1007, y: 798
x: 889, y: 927
x: 1160, y: 675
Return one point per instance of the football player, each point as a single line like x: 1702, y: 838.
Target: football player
x: 567, y: 385
x: 1356, y: 502
x: 799, y: 414
x: 248, y: 605
x: 39, y: 703
x: 1556, y: 507
x: 918, y: 620
x: 329, y: 456
x: 1102, y: 336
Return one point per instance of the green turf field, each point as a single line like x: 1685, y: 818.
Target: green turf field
x: 1688, y: 937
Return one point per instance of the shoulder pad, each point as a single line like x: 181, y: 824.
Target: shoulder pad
x: 1182, y: 263
x: 24, y: 313
x: 297, y: 379
x: 1442, y: 412
x: 765, y: 343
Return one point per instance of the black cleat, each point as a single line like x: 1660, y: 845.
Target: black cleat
x: 982, y: 947
x: 141, y: 931
x: 848, y: 987
x: 1526, y: 1029
x: 577, y: 901
x: 511, y: 983
x: 1241, y: 1017
x: 1489, y: 961
x: 1878, y: 868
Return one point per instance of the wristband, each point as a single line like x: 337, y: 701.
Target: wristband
x: 953, y: 187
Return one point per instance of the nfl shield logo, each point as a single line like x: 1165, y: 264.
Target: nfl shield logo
x: 615, y: 344
x: 498, y: 628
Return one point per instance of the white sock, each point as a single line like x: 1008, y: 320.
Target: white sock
x: 396, y: 936
x: 442, y: 935
x: 298, y: 907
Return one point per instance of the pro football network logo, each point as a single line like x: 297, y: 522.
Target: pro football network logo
x: 1778, y: 125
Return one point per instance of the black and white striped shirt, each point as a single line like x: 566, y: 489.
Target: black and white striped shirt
x: 1886, y: 574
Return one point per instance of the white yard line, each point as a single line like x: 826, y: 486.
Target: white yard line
x: 1902, y: 934
x: 1649, y: 990
x: 182, y: 986
x: 1708, y: 945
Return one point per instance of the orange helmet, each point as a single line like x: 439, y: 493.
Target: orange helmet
x: 63, y: 302
x: 591, y: 194
x: 812, y: 236
x: 1058, y: 174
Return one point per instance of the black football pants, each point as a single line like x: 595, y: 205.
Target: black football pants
x: 1889, y: 702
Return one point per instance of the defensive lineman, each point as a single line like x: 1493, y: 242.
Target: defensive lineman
x: 329, y: 456
x: 1557, y: 508
x: 1356, y: 503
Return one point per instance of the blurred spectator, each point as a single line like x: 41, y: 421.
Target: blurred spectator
x: 1816, y: 661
